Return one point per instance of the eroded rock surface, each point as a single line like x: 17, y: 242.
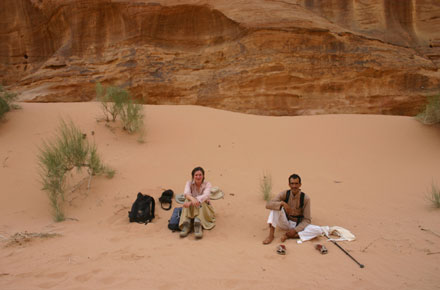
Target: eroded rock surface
x: 262, y: 57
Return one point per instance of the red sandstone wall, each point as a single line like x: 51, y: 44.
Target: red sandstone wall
x: 263, y: 57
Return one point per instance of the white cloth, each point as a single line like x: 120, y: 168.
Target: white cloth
x: 343, y: 234
x: 277, y: 218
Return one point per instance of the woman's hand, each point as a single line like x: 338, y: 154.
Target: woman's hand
x: 195, y: 202
x: 191, y: 201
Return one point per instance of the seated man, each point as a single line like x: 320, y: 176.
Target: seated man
x: 290, y: 211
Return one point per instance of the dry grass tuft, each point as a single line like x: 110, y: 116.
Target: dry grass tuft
x: 19, y: 239
x: 266, y: 186
x: 434, y: 195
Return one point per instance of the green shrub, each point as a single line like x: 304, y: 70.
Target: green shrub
x: 431, y: 113
x: 266, y: 186
x: 116, y: 102
x: 6, y: 101
x: 4, y: 108
x: 112, y: 100
x: 69, y: 150
x: 434, y: 196
x: 132, y: 116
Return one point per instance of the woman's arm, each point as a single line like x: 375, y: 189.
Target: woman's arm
x: 206, y: 192
x: 187, y: 191
x: 188, y: 195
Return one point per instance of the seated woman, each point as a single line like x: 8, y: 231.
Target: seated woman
x: 197, y: 208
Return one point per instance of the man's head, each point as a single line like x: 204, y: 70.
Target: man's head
x: 295, y: 183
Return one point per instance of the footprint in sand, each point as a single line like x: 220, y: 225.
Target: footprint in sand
x: 85, y: 277
x: 56, y: 275
x: 52, y: 284
x: 108, y: 280
x: 119, y: 215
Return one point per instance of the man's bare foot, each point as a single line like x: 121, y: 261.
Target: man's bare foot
x: 283, y: 238
x: 268, y: 240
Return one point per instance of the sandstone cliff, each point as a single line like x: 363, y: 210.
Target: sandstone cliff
x: 265, y: 57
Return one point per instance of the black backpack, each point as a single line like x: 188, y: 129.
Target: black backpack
x: 167, y: 197
x: 301, y: 205
x: 142, y: 210
x: 173, y: 223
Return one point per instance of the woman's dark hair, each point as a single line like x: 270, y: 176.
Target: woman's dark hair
x: 198, y: 169
x: 293, y: 176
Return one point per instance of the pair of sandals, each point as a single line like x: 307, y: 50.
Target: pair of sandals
x: 281, y: 249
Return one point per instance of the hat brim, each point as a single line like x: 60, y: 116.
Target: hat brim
x: 180, y: 198
x: 219, y: 194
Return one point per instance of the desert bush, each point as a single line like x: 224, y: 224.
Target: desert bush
x: 4, y: 108
x: 431, y: 113
x: 434, y: 195
x: 112, y: 100
x: 69, y: 150
x: 6, y: 101
x: 132, y: 116
x: 116, y: 102
x: 266, y: 186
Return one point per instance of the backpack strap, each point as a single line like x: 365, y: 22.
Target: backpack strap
x: 153, y: 205
x: 165, y: 208
x: 301, y: 198
x: 134, y: 208
x: 167, y: 197
x: 150, y: 208
x: 286, y: 201
x: 301, y: 205
x: 287, y: 196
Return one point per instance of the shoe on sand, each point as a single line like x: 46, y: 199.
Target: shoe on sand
x: 321, y: 248
x: 185, y: 229
x: 281, y: 250
x: 198, y: 232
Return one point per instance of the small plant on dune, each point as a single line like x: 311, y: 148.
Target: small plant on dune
x: 69, y: 150
x: 132, y: 116
x: 116, y: 102
x: 7, y: 101
x: 434, y: 195
x: 431, y: 113
x: 266, y: 186
x: 112, y: 100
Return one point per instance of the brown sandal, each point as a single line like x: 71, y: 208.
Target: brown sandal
x: 281, y: 250
x: 321, y: 248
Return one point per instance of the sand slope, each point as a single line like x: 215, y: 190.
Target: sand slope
x: 369, y: 174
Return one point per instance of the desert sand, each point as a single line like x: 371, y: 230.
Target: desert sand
x: 367, y: 173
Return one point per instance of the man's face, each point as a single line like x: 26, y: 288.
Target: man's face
x: 294, y: 185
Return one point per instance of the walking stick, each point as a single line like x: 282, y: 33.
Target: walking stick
x: 334, y: 242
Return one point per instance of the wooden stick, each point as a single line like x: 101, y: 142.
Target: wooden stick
x: 428, y: 230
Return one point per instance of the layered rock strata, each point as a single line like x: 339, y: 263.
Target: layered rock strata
x: 262, y: 57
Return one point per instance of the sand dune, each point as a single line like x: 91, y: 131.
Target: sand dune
x: 369, y: 174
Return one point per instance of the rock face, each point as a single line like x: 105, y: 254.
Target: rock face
x: 262, y: 57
